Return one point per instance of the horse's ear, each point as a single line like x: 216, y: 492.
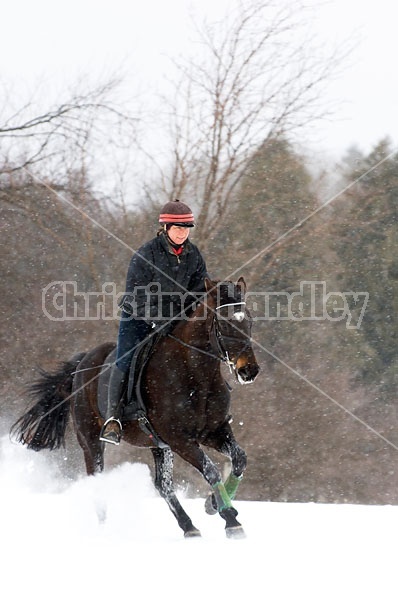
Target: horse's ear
x: 242, y: 284
x: 211, y: 288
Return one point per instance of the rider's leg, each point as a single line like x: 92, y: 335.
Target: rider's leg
x: 112, y: 429
x: 131, y: 333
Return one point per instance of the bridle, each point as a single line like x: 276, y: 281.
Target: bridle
x: 219, y: 337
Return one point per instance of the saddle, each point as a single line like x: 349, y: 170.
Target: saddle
x: 133, y: 404
x: 133, y: 407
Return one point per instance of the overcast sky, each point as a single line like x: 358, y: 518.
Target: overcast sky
x: 51, y: 43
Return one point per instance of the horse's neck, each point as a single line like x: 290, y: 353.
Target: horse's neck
x: 196, y: 329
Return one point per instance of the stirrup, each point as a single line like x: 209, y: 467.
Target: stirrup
x: 114, y: 434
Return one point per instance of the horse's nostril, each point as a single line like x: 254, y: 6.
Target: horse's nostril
x: 248, y: 373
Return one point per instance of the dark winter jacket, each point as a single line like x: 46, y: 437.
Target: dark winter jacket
x: 161, y: 285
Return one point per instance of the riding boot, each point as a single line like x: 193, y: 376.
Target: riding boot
x: 111, y: 431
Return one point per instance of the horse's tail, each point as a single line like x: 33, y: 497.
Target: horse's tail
x: 44, y: 425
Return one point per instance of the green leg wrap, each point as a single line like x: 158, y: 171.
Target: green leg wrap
x: 222, y: 497
x: 231, y: 485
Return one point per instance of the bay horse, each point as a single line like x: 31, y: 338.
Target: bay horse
x: 186, y: 397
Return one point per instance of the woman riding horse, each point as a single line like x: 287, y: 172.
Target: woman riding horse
x: 186, y: 398
x: 172, y: 266
x: 185, y: 395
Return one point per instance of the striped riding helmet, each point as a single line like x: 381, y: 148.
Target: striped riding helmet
x: 177, y: 213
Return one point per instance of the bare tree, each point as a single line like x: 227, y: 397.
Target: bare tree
x: 61, y: 132
x: 254, y: 76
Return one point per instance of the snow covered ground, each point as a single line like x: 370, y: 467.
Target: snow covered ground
x: 54, y: 546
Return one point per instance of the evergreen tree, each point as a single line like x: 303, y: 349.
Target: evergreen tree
x: 367, y: 242
x: 274, y: 196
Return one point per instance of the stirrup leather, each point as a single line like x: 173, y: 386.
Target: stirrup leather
x: 111, y: 436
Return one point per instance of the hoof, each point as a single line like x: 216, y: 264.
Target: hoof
x: 210, y: 504
x: 192, y: 533
x: 235, y: 533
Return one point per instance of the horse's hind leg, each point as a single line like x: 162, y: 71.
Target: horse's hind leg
x: 93, y: 451
x: 87, y: 426
x: 164, y: 484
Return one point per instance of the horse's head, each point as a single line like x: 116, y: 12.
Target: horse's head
x: 231, y: 327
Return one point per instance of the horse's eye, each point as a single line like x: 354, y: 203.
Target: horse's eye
x: 239, y: 316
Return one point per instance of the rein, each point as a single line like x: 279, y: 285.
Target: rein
x: 92, y: 368
x: 220, y: 358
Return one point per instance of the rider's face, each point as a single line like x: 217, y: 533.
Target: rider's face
x: 178, y: 234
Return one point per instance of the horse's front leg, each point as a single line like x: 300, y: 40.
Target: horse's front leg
x: 224, y: 441
x: 194, y: 455
x: 164, y: 484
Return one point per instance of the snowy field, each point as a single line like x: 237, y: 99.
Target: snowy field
x: 54, y: 546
